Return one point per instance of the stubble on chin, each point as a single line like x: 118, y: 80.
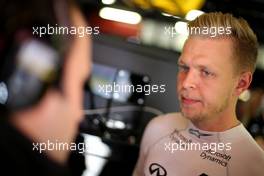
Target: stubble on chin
x: 192, y: 116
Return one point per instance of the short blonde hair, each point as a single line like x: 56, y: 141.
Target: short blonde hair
x: 244, y: 39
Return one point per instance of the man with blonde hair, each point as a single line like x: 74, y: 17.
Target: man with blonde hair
x: 206, y: 137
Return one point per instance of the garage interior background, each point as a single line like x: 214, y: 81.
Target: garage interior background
x: 138, y: 45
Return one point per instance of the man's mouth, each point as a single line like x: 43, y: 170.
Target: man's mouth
x: 188, y: 101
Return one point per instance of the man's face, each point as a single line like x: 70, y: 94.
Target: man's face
x: 205, y: 82
x: 76, y: 72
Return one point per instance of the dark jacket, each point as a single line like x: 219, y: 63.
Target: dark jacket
x: 18, y: 158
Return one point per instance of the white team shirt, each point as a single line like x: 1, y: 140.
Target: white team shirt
x: 203, y: 153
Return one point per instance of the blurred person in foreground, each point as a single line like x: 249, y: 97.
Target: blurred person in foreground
x: 206, y: 137
x: 41, y: 86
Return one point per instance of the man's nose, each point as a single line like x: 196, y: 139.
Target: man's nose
x: 190, y: 80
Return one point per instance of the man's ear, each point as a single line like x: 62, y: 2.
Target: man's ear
x: 243, y: 82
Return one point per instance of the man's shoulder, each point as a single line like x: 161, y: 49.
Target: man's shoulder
x: 246, y: 153
x: 246, y: 143
x: 163, y: 126
x: 247, y: 157
x: 168, y: 122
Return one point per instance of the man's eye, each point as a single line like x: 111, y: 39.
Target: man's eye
x: 183, y: 68
x: 206, y: 73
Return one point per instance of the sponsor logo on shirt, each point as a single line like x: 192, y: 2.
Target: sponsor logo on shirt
x: 197, y: 133
x: 216, y: 157
x: 156, y: 169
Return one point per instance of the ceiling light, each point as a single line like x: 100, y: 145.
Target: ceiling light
x: 119, y: 15
x: 192, y: 14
